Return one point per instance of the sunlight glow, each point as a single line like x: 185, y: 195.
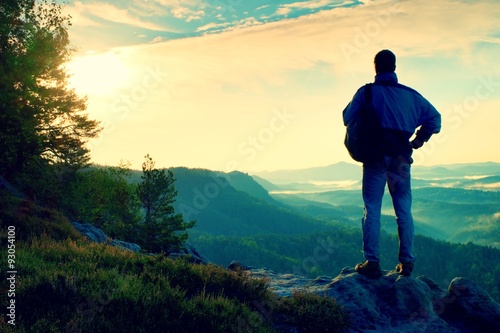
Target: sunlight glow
x: 98, y: 74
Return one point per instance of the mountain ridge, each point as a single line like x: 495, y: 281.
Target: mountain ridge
x: 348, y: 171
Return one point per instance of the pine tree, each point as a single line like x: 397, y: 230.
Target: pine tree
x: 42, y: 121
x: 162, y: 227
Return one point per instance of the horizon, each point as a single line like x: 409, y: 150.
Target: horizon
x: 261, y: 86
x: 353, y: 163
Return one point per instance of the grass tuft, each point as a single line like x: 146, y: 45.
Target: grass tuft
x: 311, y: 312
x: 68, y: 284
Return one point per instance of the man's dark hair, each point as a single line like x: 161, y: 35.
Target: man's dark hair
x: 385, y: 62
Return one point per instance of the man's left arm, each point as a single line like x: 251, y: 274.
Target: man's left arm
x: 431, y: 124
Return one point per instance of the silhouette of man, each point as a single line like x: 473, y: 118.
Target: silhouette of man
x: 402, y: 111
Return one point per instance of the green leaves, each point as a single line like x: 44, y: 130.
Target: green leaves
x: 40, y: 117
x: 162, y: 227
x: 105, y: 198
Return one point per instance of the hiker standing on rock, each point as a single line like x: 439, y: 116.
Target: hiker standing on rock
x: 401, y: 111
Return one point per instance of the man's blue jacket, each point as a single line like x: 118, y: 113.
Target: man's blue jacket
x: 401, y: 111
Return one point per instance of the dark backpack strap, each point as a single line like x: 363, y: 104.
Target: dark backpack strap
x: 368, y: 93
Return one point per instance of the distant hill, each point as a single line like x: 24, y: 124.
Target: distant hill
x: 422, y: 175
x: 245, y: 183
x: 452, y: 214
x: 338, y: 171
x: 234, y: 204
x: 318, y: 233
x: 457, y: 170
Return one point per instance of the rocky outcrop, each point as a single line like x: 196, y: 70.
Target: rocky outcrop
x: 94, y: 234
x: 190, y: 252
x: 394, y: 303
x: 126, y: 245
x: 97, y: 235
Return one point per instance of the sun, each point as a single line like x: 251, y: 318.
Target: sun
x: 98, y: 74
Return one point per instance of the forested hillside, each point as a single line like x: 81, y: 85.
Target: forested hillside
x: 221, y: 205
x: 326, y: 253
x: 451, y: 214
x: 312, y: 239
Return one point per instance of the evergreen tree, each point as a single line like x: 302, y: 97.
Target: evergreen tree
x: 41, y: 119
x: 104, y: 197
x: 162, y: 227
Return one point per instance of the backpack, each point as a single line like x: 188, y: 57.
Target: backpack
x: 363, y: 137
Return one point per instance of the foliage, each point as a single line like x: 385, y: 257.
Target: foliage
x: 32, y: 221
x: 310, y: 312
x: 72, y: 285
x: 161, y: 225
x: 220, y: 208
x: 41, y: 119
x: 106, y: 199
x: 81, y: 286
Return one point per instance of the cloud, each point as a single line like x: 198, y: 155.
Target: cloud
x: 158, y: 39
x: 213, y: 26
x: 314, y: 4
x: 187, y: 14
x: 89, y: 14
x: 188, y: 10
x: 227, y: 26
x: 219, y: 86
x: 344, y: 38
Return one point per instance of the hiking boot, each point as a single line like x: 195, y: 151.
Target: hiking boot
x: 369, y: 268
x: 404, y: 269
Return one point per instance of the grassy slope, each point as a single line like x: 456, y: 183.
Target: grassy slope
x: 66, y: 284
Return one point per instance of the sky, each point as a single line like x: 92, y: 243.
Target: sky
x: 261, y: 85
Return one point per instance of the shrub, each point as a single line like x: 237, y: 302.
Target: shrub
x: 32, y: 221
x: 77, y: 286
x: 310, y: 312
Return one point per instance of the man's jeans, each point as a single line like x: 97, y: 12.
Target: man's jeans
x: 396, y: 174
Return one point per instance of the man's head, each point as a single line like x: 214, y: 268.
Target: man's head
x: 385, y: 62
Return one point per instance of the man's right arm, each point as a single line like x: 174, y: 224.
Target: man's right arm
x: 353, y: 107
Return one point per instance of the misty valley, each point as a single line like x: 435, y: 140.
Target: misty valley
x: 307, y: 222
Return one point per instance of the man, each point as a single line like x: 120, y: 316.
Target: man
x: 401, y: 111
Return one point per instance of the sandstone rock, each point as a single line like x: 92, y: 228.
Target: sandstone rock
x: 395, y: 303
x: 191, y: 252
x: 392, y: 303
x: 98, y: 236
x: 235, y: 264
x: 93, y: 233
x: 282, y: 284
x: 469, y: 307
x: 126, y: 245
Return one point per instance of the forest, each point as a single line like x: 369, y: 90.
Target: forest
x: 313, y: 238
